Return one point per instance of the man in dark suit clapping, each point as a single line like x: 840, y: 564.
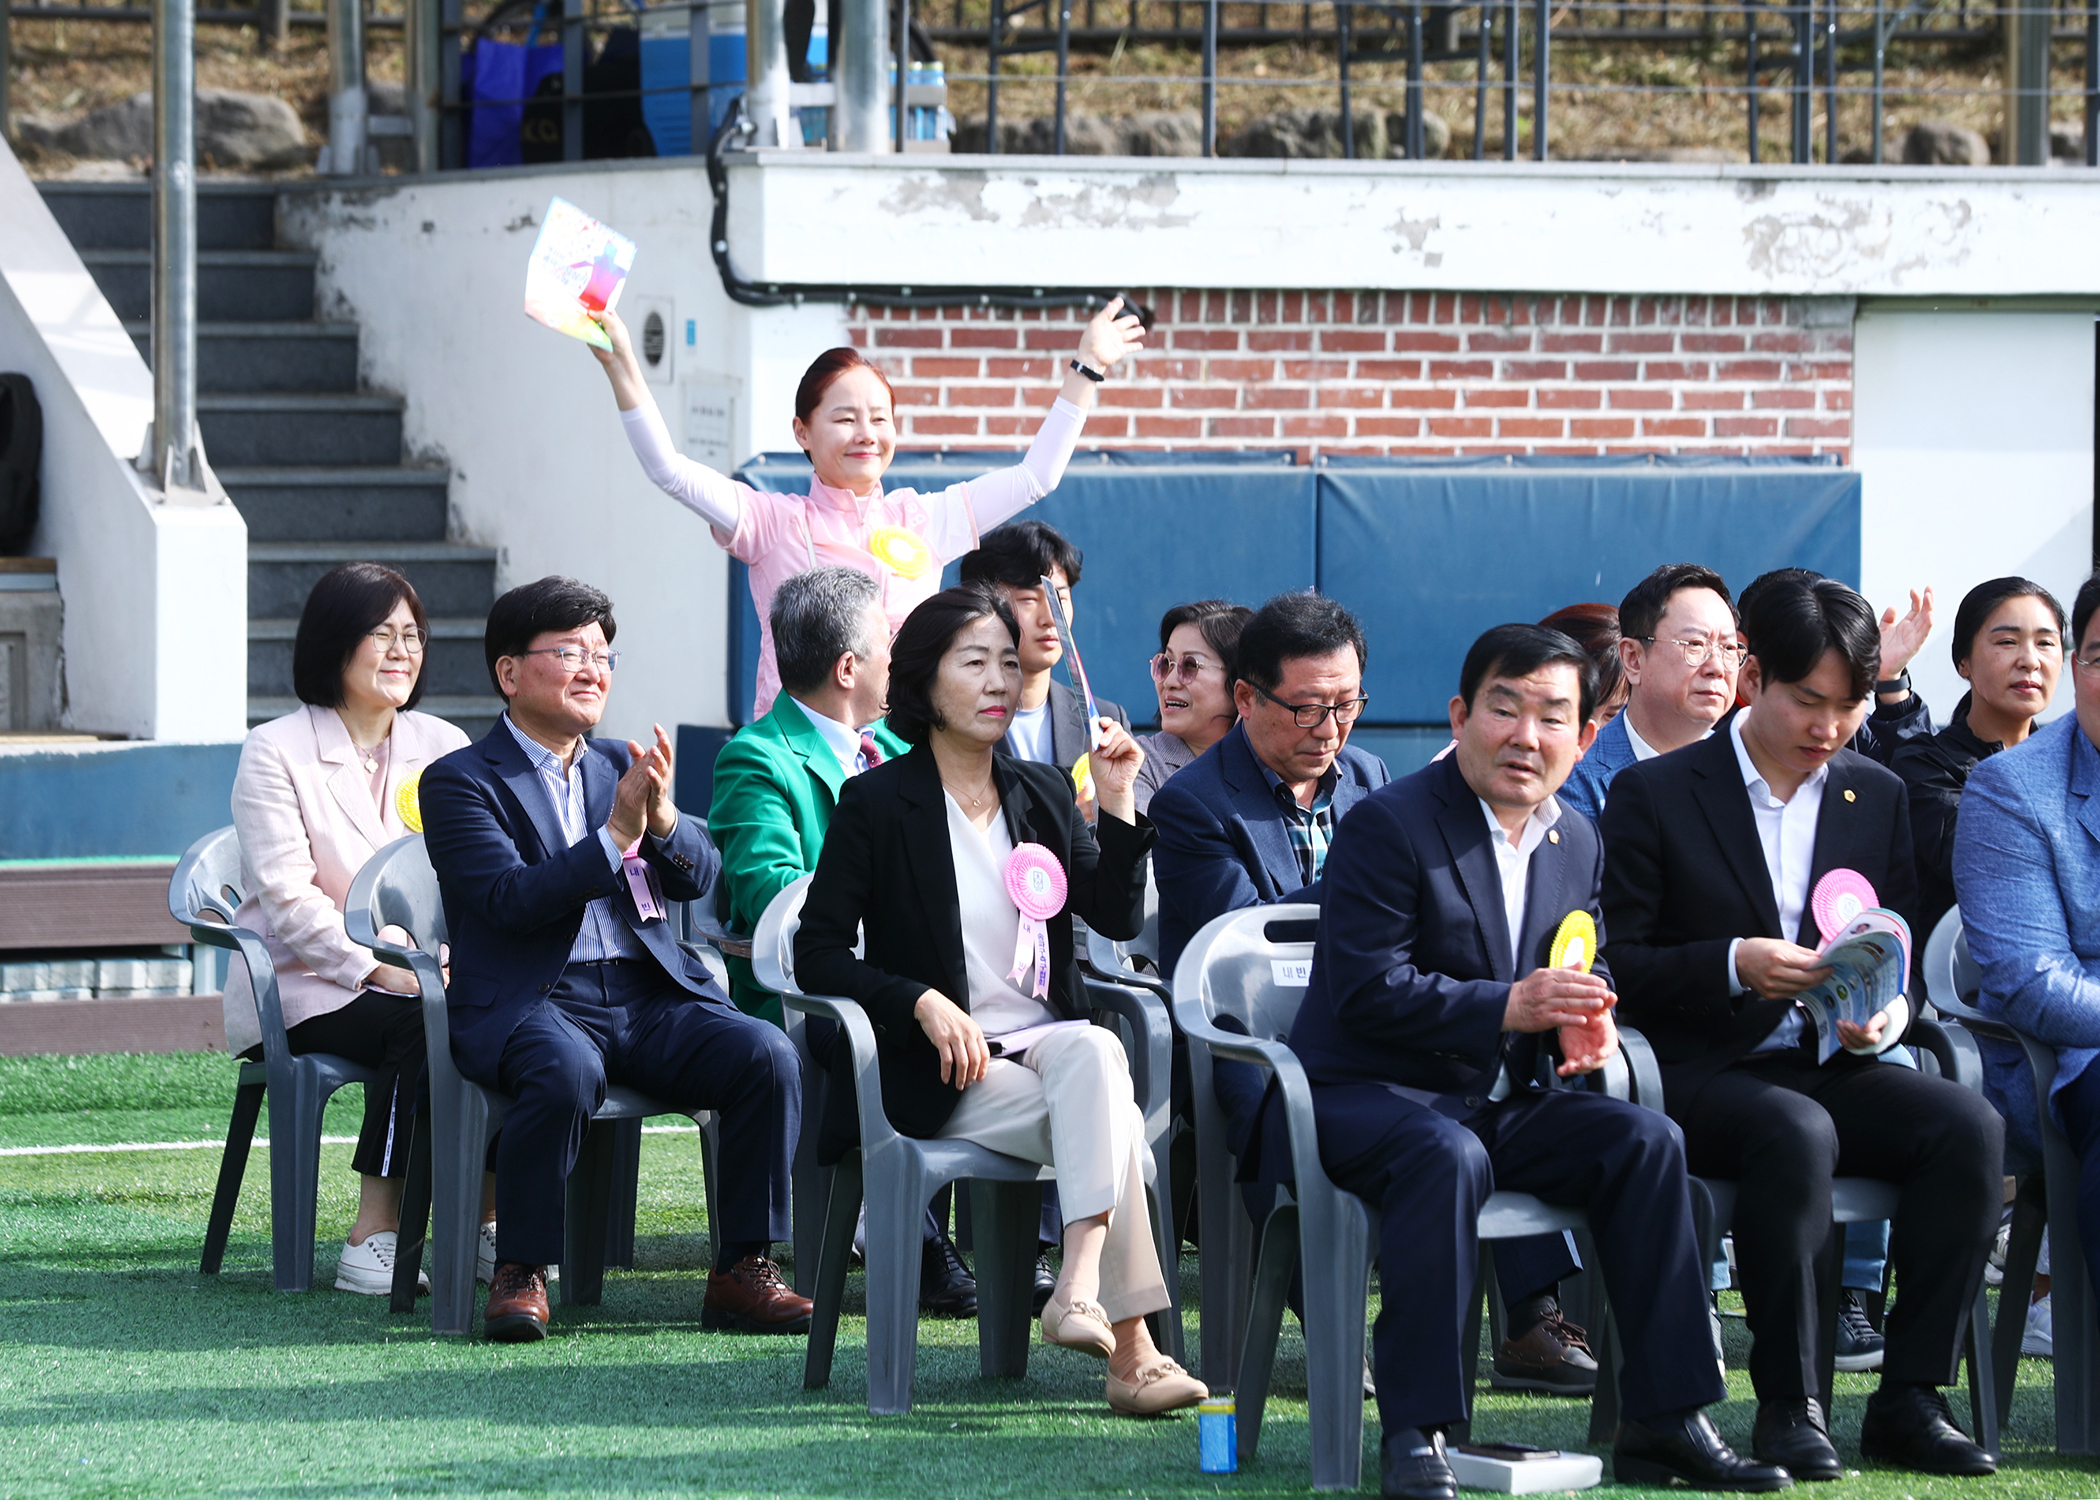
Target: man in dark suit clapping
x: 557, y: 854
x: 1423, y: 1033
x: 1714, y: 852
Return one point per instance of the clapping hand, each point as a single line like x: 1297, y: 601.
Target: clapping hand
x: 642, y: 800
x: 1587, y: 1047
x: 1110, y: 336
x: 663, y: 812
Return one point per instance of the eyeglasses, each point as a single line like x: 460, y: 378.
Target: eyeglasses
x: 1697, y: 651
x: 1165, y: 668
x: 572, y: 658
x: 411, y: 640
x: 2090, y: 663
x: 1313, y: 715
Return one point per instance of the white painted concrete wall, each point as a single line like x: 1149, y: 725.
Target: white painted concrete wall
x: 1974, y: 441
x: 433, y: 270
x: 156, y: 594
x: 1459, y: 226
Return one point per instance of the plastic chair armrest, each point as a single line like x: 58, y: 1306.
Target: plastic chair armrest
x: 1126, y: 977
x: 1643, y: 1072
x: 1953, y: 1048
x: 1295, y: 1090
x: 262, y: 981
x: 875, y: 1127
x: 1152, y: 1034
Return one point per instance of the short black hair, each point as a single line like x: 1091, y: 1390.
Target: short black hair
x: 532, y: 609
x: 1646, y: 602
x: 2083, y: 608
x: 1292, y: 626
x: 348, y: 604
x: 1793, y: 616
x: 817, y: 617
x: 1981, y: 602
x: 1220, y: 620
x: 1518, y: 650
x: 915, y: 656
x: 1020, y: 555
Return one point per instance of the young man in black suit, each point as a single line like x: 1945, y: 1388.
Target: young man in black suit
x: 1712, y: 854
x: 1424, y: 1032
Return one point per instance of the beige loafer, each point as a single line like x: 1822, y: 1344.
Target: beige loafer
x: 1080, y: 1325
x: 1161, y: 1386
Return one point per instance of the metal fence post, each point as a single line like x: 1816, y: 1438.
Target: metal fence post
x: 452, y: 118
x: 1210, y: 76
x: 425, y: 112
x: 2026, y: 131
x: 574, y: 45
x: 1512, y: 68
x: 901, y: 82
x: 1542, y: 67
x: 171, y: 453
x: 991, y: 85
x: 1830, y: 77
x: 1480, y: 81
x: 863, y: 54
x: 1750, y: 45
x: 7, y: 73
x: 1804, y: 83
x: 1341, y: 32
x: 1413, y: 144
x: 2092, y: 84
x: 347, y: 107
x: 1881, y: 49
x: 1064, y: 70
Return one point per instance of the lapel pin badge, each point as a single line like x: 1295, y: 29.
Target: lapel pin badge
x: 1553, y: 835
x: 1850, y: 795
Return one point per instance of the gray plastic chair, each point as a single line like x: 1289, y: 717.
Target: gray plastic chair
x: 898, y: 1175
x: 1853, y: 1200
x: 203, y: 894
x: 2048, y: 1195
x: 772, y: 961
x: 1230, y: 968
x: 397, y: 888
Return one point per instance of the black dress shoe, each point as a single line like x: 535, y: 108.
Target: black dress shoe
x: 946, y: 1287
x: 1412, y: 1466
x: 1045, y: 1283
x: 1683, y: 1448
x: 1794, y: 1434
x: 1909, y: 1426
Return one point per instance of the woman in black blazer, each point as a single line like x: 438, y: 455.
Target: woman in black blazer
x: 980, y: 1018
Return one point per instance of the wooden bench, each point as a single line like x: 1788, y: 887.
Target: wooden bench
x: 79, y: 906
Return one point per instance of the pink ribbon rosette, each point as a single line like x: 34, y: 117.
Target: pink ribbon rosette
x: 1035, y: 883
x: 1839, y: 898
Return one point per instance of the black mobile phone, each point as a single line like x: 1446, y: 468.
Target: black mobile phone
x: 1515, y: 1453
x: 1133, y: 307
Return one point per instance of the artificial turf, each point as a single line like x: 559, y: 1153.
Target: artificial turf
x: 123, y: 1372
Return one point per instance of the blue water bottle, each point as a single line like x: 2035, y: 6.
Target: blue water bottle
x: 1217, y: 1436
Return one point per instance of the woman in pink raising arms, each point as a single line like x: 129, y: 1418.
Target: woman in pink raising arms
x: 845, y: 421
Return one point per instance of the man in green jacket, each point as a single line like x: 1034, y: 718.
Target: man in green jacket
x: 777, y: 781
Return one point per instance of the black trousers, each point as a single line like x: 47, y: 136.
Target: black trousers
x: 384, y: 1033
x: 1425, y: 1176
x: 1781, y: 1129
x: 625, y: 1022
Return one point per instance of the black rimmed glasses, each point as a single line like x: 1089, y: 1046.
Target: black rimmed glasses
x: 1696, y: 650
x: 573, y: 658
x: 1313, y: 715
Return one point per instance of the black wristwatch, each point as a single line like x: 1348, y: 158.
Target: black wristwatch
x: 1089, y: 372
x: 1897, y: 684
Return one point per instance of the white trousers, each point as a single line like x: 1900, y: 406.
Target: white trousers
x: 1067, y: 1103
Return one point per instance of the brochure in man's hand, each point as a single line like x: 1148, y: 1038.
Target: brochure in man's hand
x: 1869, y: 959
x: 578, y: 267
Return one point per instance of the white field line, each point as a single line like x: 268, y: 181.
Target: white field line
x: 262, y: 1141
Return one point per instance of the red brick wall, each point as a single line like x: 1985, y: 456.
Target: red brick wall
x: 1393, y: 373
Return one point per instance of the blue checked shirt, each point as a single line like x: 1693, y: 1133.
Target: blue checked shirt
x: 1311, y: 828
x: 604, y: 933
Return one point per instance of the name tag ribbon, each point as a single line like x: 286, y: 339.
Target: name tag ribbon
x: 642, y: 883
x: 1035, y: 882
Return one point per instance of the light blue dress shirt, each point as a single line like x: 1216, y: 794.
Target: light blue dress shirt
x: 604, y: 933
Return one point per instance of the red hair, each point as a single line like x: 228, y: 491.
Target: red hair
x: 824, y: 369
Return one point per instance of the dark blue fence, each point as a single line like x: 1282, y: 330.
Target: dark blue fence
x: 1429, y: 555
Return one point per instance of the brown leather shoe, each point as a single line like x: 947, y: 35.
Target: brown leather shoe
x: 517, y: 1306
x: 1553, y: 1358
x: 751, y: 1298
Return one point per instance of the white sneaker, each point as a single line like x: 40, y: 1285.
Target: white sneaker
x: 2040, y: 1338
x: 1994, y: 1268
x: 368, y: 1269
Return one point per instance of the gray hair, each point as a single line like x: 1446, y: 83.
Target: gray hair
x: 817, y: 617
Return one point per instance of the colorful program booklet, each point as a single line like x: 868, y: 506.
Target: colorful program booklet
x: 1869, y: 960
x: 578, y: 267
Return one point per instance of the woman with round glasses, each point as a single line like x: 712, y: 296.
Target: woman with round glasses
x: 318, y: 792
x: 845, y: 421
x: 1193, y: 675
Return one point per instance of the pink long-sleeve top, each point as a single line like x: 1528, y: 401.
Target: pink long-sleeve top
x: 780, y: 535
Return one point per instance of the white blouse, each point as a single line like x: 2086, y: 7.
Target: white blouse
x: 991, y: 925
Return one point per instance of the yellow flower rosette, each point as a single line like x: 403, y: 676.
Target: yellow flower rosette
x: 1574, y: 944
x: 408, y: 801
x: 903, y: 552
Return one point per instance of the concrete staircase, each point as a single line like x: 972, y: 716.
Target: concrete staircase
x: 313, y: 461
